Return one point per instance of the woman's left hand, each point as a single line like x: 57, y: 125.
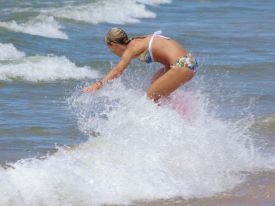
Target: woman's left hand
x: 94, y: 87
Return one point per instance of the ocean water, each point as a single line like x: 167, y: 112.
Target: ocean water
x: 61, y: 147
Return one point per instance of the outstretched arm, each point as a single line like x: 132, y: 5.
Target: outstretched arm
x: 114, y: 73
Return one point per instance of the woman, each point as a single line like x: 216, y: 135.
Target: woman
x: 178, y: 66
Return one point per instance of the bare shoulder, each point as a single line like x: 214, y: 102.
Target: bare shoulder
x: 137, y: 46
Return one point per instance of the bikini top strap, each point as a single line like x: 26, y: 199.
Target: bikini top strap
x: 151, y: 41
x: 156, y: 33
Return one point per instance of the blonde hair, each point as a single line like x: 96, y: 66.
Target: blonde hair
x: 117, y: 35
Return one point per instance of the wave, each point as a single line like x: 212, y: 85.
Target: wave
x: 9, y: 52
x: 154, y: 2
x: 136, y: 151
x: 105, y: 12
x: 41, y: 25
x: 44, y: 68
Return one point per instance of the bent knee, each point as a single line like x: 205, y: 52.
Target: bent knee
x: 154, y: 95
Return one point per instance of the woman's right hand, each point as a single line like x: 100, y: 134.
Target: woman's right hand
x: 94, y: 87
x: 87, y: 89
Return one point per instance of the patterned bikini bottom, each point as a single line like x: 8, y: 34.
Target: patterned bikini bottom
x: 186, y: 61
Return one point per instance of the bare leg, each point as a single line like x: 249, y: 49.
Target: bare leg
x: 169, y: 82
x: 159, y: 73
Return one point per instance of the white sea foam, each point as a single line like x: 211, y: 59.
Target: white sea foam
x: 44, y: 68
x: 143, y: 152
x: 9, y: 52
x: 107, y: 11
x: 41, y: 25
x: 154, y: 2
x: 110, y: 11
x: 115, y: 11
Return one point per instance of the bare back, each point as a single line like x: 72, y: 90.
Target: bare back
x: 165, y: 51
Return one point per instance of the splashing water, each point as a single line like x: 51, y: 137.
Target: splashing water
x: 137, y: 150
